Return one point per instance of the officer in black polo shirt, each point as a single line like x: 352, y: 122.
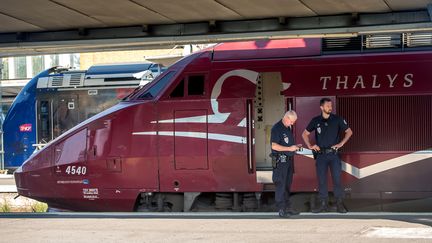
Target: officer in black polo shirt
x: 283, y: 149
x: 328, y: 128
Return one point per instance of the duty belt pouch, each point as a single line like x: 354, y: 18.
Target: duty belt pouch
x: 282, y: 158
x: 274, y: 159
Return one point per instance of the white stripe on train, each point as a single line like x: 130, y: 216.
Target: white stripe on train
x: 211, y: 136
x: 359, y: 173
x: 382, y: 166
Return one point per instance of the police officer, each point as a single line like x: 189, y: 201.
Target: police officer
x: 328, y: 128
x: 283, y: 148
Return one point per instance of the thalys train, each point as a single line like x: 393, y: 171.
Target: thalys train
x: 59, y: 98
x: 197, y: 137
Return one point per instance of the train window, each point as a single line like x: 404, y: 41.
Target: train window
x: 64, y: 116
x: 157, y: 87
x: 72, y: 149
x: 179, y: 90
x: 196, y: 85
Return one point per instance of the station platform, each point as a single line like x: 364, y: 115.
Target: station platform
x: 9, y: 202
x: 7, y: 184
x: 216, y: 227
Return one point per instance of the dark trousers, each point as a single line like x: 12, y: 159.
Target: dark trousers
x: 323, y: 162
x: 282, y: 178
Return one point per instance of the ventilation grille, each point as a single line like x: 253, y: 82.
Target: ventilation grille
x: 378, y: 42
x: 75, y: 79
x: 57, y: 81
x: 382, y: 41
x: 342, y: 44
x: 418, y: 39
x: 389, y: 123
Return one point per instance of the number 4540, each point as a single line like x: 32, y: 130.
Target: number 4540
x: 76, y: 170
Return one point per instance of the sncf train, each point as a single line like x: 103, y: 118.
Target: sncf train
x: 59, y: 98
x: 197, y: 137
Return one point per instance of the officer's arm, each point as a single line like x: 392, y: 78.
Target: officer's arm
x: 343, y: 125
x: 310, y: 127
x: 348, y: 134
x: 305, y: 137
x: 281, y: 148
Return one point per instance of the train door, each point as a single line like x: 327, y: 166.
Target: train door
x: 44, y: 121
x: 65, y: 113
x: 269, y: 107
x: 183, y: 133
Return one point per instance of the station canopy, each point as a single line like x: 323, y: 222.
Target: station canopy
x: 58, y: 26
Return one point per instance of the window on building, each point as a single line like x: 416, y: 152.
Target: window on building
x: 75, y: 61
x: 4, y: 68
x: 20, y: 67
x: 37, y: 64
x: 54, y: 60
x: 28, y: 67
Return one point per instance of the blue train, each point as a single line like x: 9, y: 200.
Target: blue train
x: 57, y: 99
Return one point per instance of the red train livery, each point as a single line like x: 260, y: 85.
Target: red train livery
x: 198, y: 136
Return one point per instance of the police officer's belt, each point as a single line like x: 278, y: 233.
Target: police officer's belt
x: 279, y: 158
x: 283, y: 158
x: 327, y: 151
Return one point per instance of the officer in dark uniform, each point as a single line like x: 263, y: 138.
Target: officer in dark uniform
x: 328, y: 128
x: 283, y: 149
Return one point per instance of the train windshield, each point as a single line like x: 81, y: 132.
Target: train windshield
x: 153, y: 90
x: 135, y: 91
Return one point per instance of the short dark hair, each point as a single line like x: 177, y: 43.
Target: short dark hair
x: 324, y: 100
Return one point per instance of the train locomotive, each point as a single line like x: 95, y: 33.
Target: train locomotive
x: 197, y: 137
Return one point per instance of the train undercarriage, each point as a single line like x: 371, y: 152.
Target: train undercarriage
x: 264, y: 202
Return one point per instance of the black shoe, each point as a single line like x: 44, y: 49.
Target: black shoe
x: 291, y: 211
x: 323, y: 207
x: 283, y: 214
x: 340, y: 208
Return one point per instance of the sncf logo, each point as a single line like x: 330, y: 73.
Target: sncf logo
x: 25, y: 127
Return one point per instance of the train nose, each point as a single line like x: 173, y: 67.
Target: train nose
x: 19, y: 182
x: 22, y: 181
x: 32, y: 177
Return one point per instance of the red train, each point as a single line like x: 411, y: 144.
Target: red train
x: 198, y: 136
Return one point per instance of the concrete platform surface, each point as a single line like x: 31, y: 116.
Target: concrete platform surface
x: 215, y: 227
x: 7, y: 184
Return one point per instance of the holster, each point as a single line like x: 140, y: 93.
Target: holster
x: 275, y: 159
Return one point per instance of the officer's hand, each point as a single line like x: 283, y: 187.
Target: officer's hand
x: 315, y: 148
x: 294, y: 148
x: 337, y: 146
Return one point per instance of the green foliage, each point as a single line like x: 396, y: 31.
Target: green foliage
x: 4, y: 207
x: 39, y: 207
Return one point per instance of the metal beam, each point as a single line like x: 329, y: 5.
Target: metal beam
x: 157, y: 36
